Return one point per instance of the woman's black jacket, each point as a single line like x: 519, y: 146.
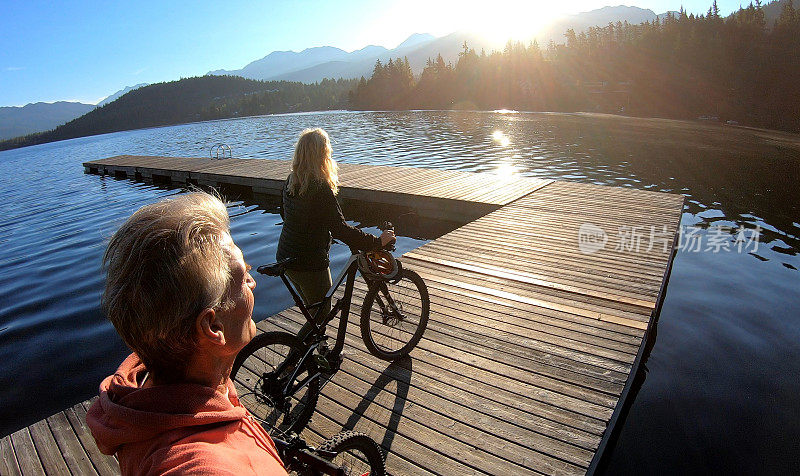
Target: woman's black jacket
x: 309, y: 222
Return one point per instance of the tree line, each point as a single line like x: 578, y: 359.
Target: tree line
x: 196, y: 99
x: 682, y: 66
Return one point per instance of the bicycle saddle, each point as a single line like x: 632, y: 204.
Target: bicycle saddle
x: 275, y: 269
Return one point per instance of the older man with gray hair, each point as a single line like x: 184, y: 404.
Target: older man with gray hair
x: 181, y: 297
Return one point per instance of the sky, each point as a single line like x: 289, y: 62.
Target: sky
x: 85, y: 51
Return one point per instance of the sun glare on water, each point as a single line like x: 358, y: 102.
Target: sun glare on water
x: 501, y: 138
x: 506, y: 171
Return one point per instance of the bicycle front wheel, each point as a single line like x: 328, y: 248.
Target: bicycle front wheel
x: 394, y: 316
x: 261, y: 379
x: 356, y: 453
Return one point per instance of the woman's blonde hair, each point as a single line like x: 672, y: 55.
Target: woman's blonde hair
x: 165, y: 265
x: 312, y: 162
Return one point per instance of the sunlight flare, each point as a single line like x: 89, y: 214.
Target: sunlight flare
x: 506, y: 170
x: 501, y: 138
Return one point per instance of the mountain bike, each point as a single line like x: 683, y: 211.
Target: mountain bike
x: 282, y: 373
x: 348, y: 453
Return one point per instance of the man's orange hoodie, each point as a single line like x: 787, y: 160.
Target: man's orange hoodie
x: 178, y: 429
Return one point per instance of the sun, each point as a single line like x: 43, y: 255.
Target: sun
x: 497, y: 20
x: 502, y: 21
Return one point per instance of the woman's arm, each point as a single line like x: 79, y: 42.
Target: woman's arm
x: 350, y: 235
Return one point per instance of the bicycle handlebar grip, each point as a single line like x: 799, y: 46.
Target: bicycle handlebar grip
x: 390, y: 245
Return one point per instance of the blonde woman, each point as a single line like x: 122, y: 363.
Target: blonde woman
x: 311, y: 216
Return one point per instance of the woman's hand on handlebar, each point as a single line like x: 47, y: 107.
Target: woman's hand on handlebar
x: 387, y: 238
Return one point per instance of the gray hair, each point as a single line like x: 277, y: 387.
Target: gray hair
x: 165, y: 265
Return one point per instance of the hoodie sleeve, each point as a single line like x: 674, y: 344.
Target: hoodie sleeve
x: 205, y: 459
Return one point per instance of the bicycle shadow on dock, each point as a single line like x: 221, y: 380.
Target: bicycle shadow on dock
x: 400, y: 372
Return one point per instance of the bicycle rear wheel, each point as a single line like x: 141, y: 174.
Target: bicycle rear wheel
x: 356, y: 453
x: 394, y: 316
x: 260, y: 385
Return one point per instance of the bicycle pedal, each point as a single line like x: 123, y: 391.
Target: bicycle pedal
x: 328, y: 364
x: 322, y: 363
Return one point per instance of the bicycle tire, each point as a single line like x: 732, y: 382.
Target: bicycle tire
x: 257, y: 385
x: 392, y: 334
x: 356, y: 453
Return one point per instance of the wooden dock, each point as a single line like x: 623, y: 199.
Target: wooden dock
x: 531, y: 347
x: 438, y: 194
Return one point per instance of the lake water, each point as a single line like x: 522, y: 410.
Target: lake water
x: 720, y: 392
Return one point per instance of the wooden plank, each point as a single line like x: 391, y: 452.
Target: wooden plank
x: 27, y: 457
x: 549, y: 269
x: 69, y: 445
x: 49, y: 454
x: 517, y: 280
x: 565, y: 376
x: 533, y: 279
x: 551, y: 257
x: 519, y: 322
x: 430, y: 390
x: 103, y: 464
x: 537, y: 314
x: 452, y: 428
x: 322, y: 428
x: 429, y: 427
x: 446, y: 395
x: 593, y: 309
x: 409, y: 448
x: 552, y: 404
x: 9, y: 464
x: 433, y: 183
x: 471, y: 328
x: 544, y: 242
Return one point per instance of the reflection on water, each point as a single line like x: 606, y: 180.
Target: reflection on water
x: 721, y: 374
x: 501, y: 138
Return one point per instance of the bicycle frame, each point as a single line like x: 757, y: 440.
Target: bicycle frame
x: 348, y: 273
x: 312, y: 340
x: 297, y: 449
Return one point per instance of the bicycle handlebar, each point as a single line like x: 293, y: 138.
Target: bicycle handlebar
x: 387, y: 225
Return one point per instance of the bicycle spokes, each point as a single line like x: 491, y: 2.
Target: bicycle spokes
x: 391, y: 310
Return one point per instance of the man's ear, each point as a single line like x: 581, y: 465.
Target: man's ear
x: 209, y: 328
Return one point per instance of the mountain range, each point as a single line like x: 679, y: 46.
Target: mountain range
x: 40, y: 116
x: 315, y: 64
x: 18, y: 121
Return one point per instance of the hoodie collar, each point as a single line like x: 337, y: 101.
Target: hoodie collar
x: 126, y: 413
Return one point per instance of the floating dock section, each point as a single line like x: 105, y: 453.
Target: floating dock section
x: 540, y: 310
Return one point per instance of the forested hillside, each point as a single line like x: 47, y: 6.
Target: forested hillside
x: 196, y: 99
x: 736, y: 68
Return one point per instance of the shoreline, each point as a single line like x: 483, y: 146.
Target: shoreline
x: 787, y: 138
